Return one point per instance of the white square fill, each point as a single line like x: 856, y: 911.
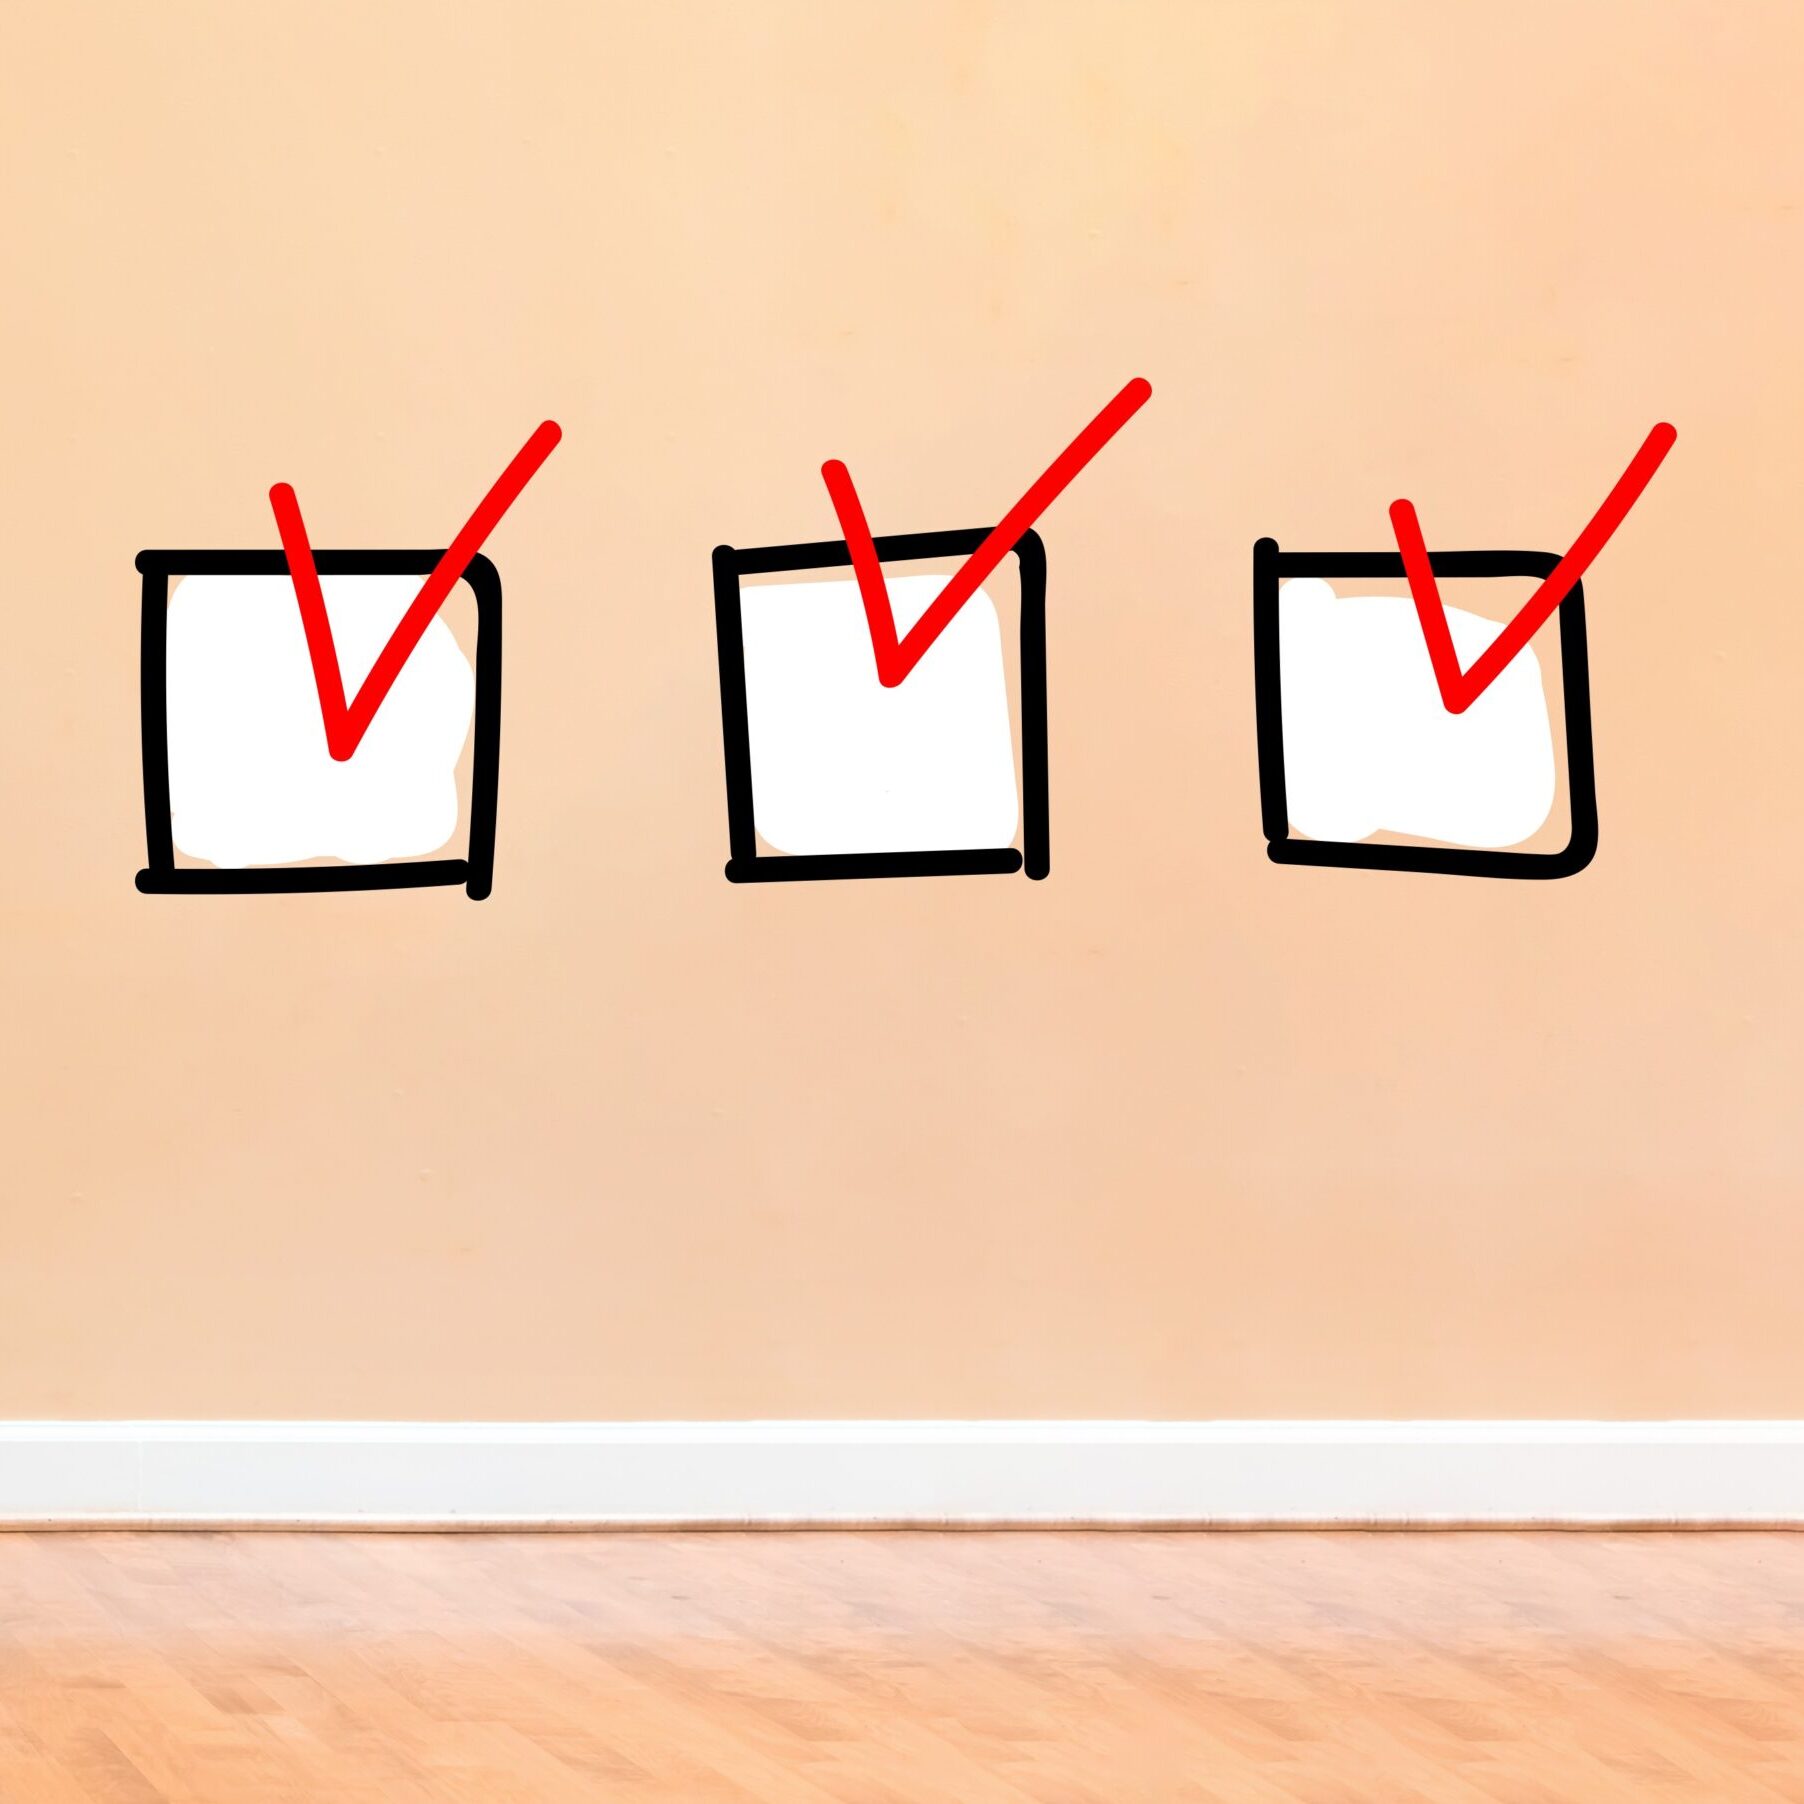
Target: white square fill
x: 840, y: 764
x: 250, y: 779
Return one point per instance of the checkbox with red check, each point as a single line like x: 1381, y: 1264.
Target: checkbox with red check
x: 865, y: 691
x: 265, y: 771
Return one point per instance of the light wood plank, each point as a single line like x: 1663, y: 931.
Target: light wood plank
x: 1029, y: 1668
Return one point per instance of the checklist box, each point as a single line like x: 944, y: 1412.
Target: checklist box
x: 1361, y: 762
x: 833, y: 773
x: 241, y: 792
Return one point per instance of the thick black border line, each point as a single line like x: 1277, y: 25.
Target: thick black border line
x: 746, y: 864
x: 1271, y: 567
x: 162, y: 876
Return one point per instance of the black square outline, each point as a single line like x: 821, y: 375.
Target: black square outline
x: 162, y: 876
x: 1270, y: 567
x: 747, y: 864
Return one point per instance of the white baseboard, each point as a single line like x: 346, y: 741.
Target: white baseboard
x: 622, y: 1474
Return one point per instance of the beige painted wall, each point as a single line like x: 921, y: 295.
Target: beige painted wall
x: 1176, y: 1133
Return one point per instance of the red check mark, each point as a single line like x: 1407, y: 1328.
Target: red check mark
x: 895, y: 659
x: 1461, y: 688
x: 346, y: 725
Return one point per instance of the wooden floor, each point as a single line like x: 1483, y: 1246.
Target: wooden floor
x: 957, y: 1668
